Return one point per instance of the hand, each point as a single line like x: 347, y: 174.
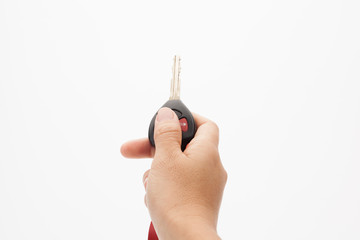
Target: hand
x: 183, y: 189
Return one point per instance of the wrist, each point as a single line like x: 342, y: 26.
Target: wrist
x: 190, y: 228
x: 194, y: 230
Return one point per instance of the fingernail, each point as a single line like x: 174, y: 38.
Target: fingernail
x: 164, y: 114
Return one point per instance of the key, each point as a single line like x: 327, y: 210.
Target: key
x: 186, y: 120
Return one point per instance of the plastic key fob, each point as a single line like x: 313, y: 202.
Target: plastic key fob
x: 186, y: 120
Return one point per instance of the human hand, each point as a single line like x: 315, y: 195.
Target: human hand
x: 183, y: 189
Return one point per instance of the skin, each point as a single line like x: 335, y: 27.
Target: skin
x: 183, y: 189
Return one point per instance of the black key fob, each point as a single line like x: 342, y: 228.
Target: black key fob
x: 186, y: 121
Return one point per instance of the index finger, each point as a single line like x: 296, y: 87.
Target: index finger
x: 140, y: 148
x: 207, y: 131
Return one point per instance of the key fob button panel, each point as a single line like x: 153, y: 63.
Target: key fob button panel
x: 186, y: 120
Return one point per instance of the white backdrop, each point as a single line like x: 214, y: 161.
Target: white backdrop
x: 78, y: 78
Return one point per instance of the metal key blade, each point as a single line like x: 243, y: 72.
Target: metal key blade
x: 175, y: 81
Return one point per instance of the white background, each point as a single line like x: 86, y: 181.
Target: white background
x: 78, y: 78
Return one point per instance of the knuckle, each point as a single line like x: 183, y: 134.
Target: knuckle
x: 214, y: 132
x: 213, y: 151
x: 225, y: 175
x: 214, y: 126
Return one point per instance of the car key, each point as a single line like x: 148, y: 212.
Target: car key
x: 187, y: 122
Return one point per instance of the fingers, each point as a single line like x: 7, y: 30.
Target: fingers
x: 207, y: 130
x: 168, y: 136
x: 140, y: 148
x: 199, y: 120
x: 167, y: 133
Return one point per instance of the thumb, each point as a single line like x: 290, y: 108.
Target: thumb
x: 167, y: 132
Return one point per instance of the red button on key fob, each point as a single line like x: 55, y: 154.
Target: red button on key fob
x: 183, y: 124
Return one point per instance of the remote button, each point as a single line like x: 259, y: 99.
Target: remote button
x: 184, y: 124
